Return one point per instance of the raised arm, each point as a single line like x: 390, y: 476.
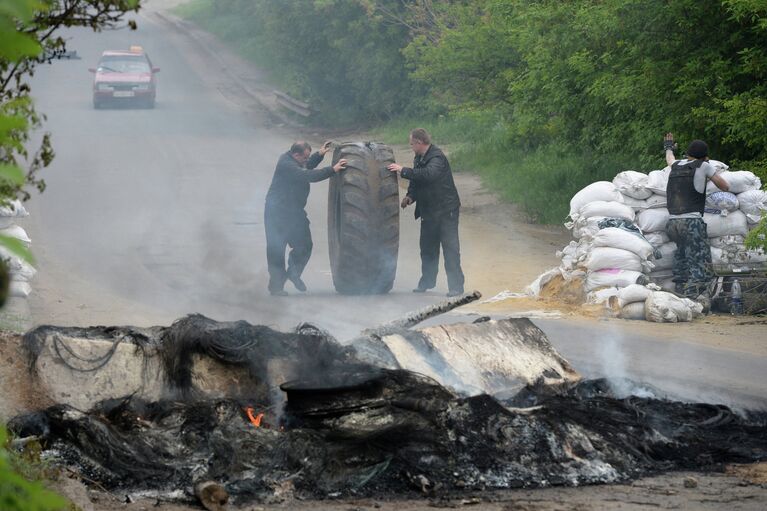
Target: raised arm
x: 668, y: 146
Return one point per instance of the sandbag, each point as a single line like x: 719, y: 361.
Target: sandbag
x: 737, y: 256
x: 664, y: 307
x: 740, y: 181
x: 657, y: 201
x: 13, y: 209
x: 635, y: 310
x: 601, y: 295
x: 21, y: 271
x: 666, y: 259
x: 723, y: 201
x: 611, y: 209
x: 585, y: 227
x: 19, y: 289
x: 534, y: 289
x: 635, y: 204
x: 657, y: 180
x: 633, y: 293
x: 599, y: 191
x: 632, y: 184
x: 652, y: 220
x: 657, y: 238
x: 601, y: 258
x: 730, y: 242
x: 16, y: 231
x: 616, y: 237
x: 612, y: 278
x: 753, y: 204
x: 718, y: 225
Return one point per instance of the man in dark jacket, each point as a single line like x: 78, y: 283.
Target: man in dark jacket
x: 285, y: 217
x: 686, y: 196
x: 436, y: 203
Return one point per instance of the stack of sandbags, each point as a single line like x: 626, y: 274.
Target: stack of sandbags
x: 609, y: 250
x: 730, y: 215
x: 21, y: 272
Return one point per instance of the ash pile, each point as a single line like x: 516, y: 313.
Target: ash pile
x: 262, y: 415
x: 622, y: 256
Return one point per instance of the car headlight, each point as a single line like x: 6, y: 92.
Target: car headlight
x: 104, y: 86
x: 141, y: 86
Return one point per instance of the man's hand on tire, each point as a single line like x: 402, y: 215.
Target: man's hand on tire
x: 340, y: 165
x: 407, y: 201
x: 394, y: 168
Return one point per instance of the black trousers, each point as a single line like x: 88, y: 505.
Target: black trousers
x: 435, y: 232
x: 286, y: 230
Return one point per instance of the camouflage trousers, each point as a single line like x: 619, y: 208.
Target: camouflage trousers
x: 692, y: 259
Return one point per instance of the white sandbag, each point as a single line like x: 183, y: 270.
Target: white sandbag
x: 616, y: 237
x: 657, y: 180
x: 657, y: 201
x: 737, y: 256
x: 723, y: 201
x: 534, y: 289
x: 753, y: 204
x: 666, y: 259
x: 611, y: 209
x: 611, y: 278
x: 601, y: 295
x: 599, y: 191
x: 632, y: 184
x: 740, y: 181
x: 718, y: 165
x: 652, y: 220
x: 718, y: 225
x: 730, y: 242
x: 657, y: 238
x: 634, y: 310
x: 607, y: 257
x: 19, y: 289
x: 22, y: 271
x: 16, y: 231
x: 586, y: 227
x: 634, y: 293
x: 635, y: 204
x: 664, y: 307
x: 13, y: 209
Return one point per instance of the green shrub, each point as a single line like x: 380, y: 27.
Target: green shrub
x: 17, y: 493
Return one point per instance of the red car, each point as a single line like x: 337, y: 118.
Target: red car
x: 125, y: 76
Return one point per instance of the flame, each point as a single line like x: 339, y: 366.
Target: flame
x: 255, y: 420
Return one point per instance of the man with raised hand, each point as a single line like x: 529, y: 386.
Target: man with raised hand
x: 686, y: 197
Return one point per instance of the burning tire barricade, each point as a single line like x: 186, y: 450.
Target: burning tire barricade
x: 622, y: 256
x: 358, y: 420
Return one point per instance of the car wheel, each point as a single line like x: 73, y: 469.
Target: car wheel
x: 363, y: 220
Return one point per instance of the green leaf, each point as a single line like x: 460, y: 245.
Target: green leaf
x: 17, y: 248
x: 12, y: 174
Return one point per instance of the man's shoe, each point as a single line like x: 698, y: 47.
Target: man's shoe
x: 420, y: 290
x: 278, y: 292
x: 298, y: 283
x: 451, y: 294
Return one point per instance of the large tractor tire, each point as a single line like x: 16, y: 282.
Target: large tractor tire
x: 363, y: 220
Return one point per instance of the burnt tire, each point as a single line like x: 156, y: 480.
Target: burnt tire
x: 363, y: 220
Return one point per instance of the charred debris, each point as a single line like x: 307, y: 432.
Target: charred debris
x: 354, y: 419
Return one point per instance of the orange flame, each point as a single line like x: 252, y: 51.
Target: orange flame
x: 256, y: 421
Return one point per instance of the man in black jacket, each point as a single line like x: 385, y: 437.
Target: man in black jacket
x: 285, y: 217
x: 436, y: 203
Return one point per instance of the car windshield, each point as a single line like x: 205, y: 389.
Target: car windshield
x: 124, y: 64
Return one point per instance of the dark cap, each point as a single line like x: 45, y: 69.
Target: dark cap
x: 697, y: 149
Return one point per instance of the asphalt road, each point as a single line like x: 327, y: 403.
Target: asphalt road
x: 153, y: 214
